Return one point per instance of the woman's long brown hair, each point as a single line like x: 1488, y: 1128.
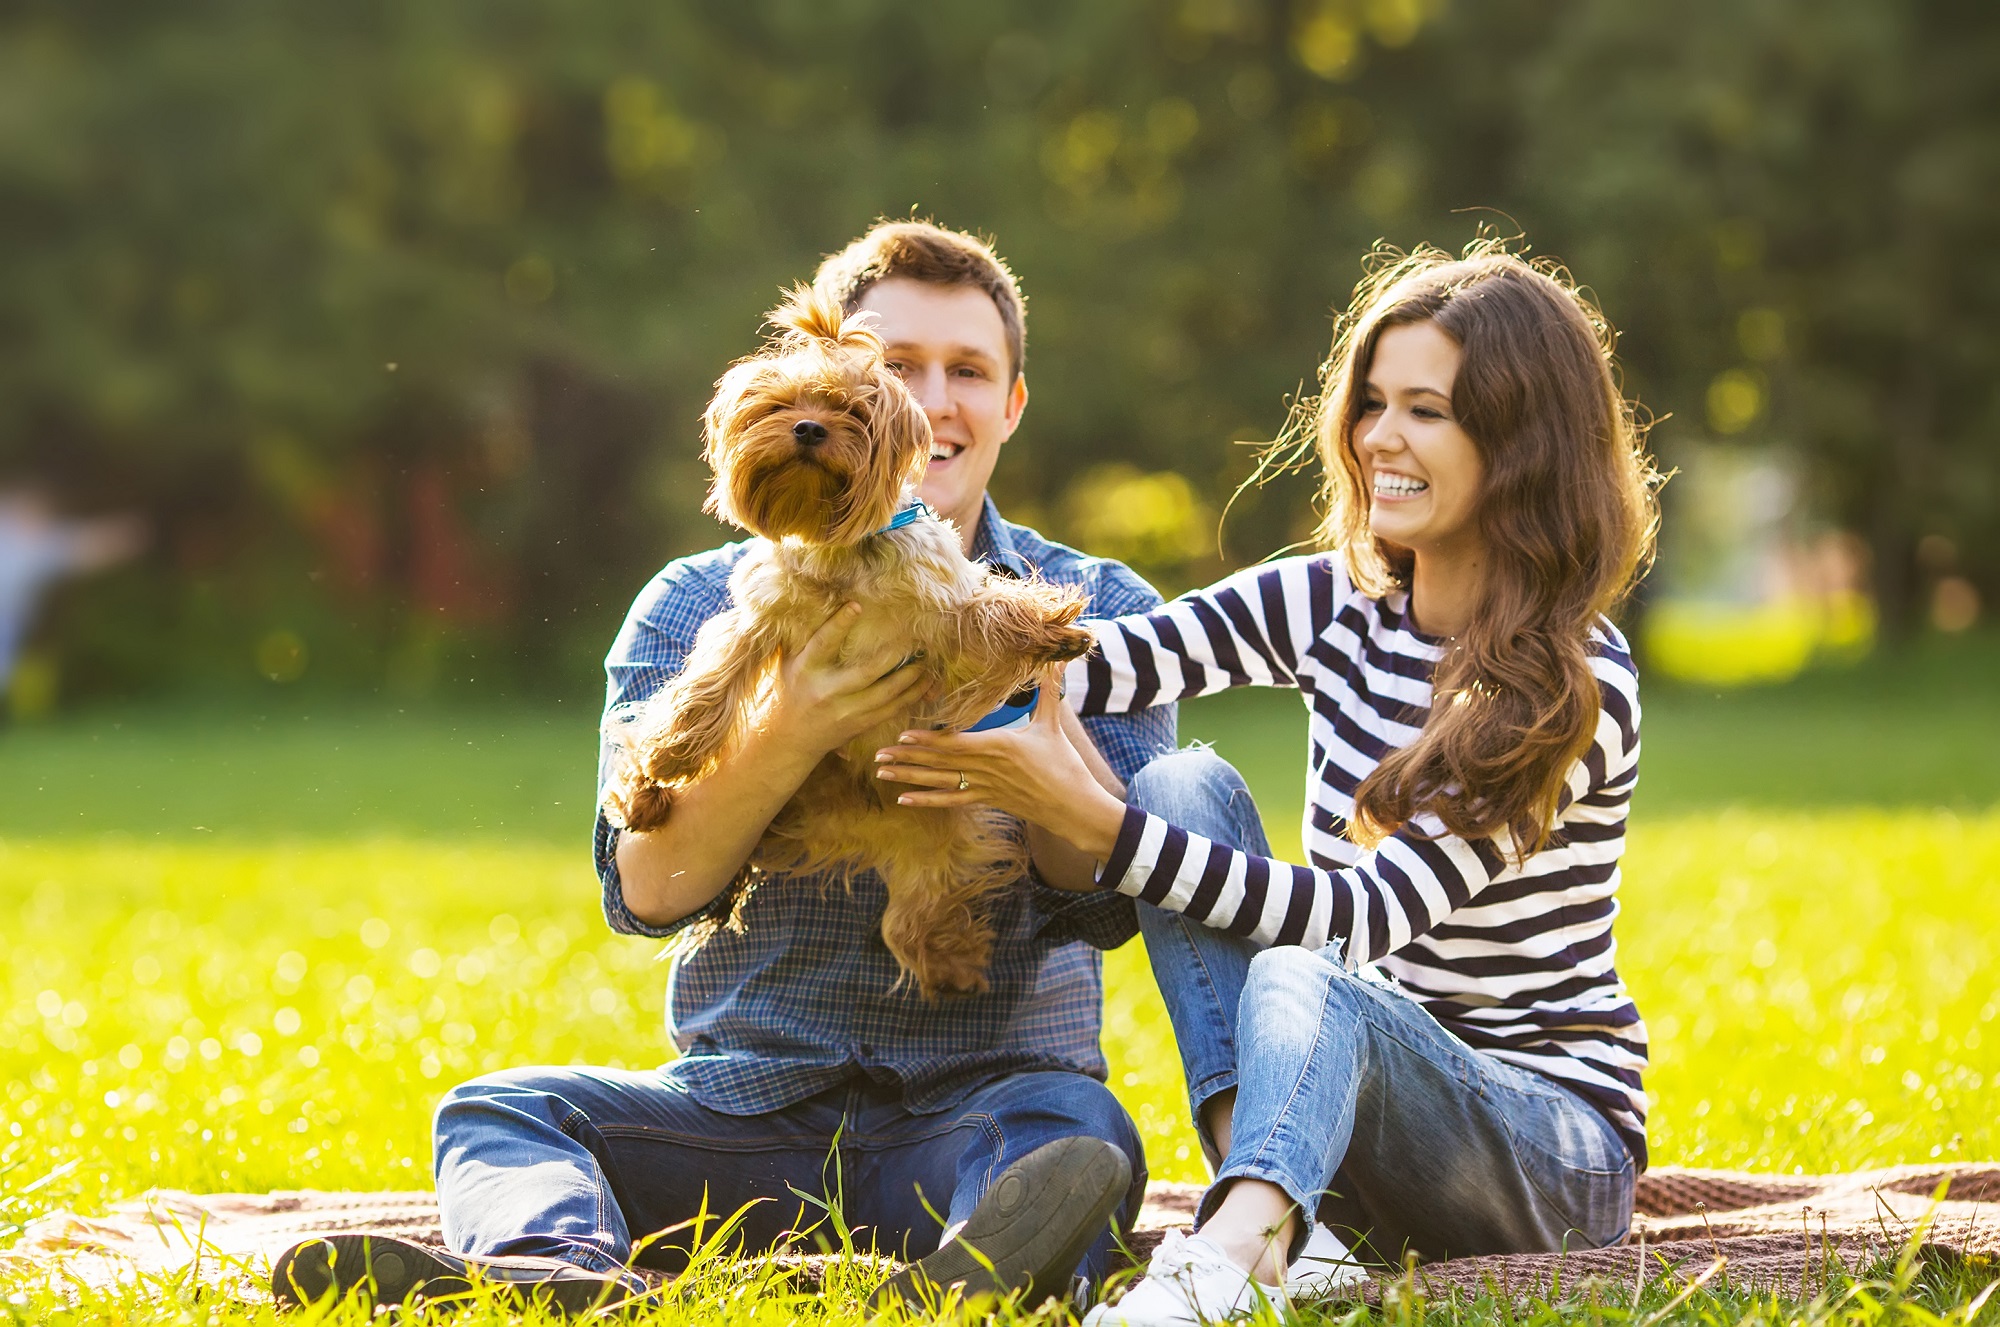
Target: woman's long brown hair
x: 1568, y: 514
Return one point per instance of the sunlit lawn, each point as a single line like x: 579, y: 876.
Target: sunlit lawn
x: 250, y: 1017
x: 247, y: 955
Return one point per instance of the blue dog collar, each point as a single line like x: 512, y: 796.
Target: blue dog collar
x: 1017, y: 712
x: 1019, y: 709
x: 909, y: 515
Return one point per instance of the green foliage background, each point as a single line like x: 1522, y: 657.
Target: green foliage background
x: 396, y: 319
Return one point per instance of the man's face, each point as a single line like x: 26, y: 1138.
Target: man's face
x: 949, y: 345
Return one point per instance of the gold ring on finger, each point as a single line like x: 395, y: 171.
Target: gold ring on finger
x: 962, y: 783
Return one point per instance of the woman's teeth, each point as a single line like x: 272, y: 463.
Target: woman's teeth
x: 944, y: 451
x: 1398, y: 486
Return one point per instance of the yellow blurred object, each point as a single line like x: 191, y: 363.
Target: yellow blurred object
x: 1149, y: 520
x: 1735, y: 400
x: 1724, y: 644
x: 282, y: 656
x: 31, y: 692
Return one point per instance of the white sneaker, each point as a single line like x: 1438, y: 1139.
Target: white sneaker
x: 1322, y: 1268
x: 1190, y: 1281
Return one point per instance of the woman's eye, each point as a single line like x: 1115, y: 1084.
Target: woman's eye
x: 1425, y: 412
x: 1371, y: 407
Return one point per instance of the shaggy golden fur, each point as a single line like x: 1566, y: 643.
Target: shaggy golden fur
x: 819, y: 503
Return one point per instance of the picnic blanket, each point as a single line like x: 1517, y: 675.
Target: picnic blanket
x: 1777, y: 1232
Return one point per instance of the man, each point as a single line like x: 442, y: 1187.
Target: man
x: 806, y: 1077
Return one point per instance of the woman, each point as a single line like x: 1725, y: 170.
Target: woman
x: 1420, y: 1038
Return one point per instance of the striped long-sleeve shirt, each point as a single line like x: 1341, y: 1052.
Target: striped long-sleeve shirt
x: 1517, y: 960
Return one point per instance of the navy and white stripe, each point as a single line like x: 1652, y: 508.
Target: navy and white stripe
x: 1518, y: 961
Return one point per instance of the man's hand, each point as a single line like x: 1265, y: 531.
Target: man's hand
x: 820, y: 702
x: 823, y: 697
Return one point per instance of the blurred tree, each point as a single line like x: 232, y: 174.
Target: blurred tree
x: 1788, y: 206
x: 398, y: 318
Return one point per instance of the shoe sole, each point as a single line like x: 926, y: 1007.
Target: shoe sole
x: 389, y: 1270
x: 1028, y: 1233
x: 1318, y: 1287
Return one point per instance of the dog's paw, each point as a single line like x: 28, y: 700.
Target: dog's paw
x: 1066, y: 643
x: 953, y: 982
x: 948, y: 963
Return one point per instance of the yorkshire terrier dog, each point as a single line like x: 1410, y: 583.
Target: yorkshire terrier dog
x: 817, y: 448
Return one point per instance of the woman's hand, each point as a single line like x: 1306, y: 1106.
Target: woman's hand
x: 1032, y: 772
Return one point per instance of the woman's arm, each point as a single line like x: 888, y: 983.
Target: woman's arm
x: 1406, y: 885
x: 1251, y: 629
x: 1395, y: 893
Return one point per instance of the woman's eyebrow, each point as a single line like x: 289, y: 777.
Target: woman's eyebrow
x: 1376, y: 389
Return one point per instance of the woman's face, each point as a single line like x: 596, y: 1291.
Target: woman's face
x: 1422, y: 471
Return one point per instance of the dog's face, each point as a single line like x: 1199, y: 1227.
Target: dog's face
x: 813, y: 439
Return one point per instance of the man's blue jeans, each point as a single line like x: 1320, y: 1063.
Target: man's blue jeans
x: 580, y: 1164
x: 1351, y: 1098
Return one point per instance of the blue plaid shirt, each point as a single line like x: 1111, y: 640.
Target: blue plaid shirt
x: 799, y: 1001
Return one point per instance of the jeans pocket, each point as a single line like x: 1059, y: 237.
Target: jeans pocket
x: 1579, y: 1168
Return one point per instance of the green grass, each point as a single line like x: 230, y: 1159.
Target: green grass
x: 248, y: 953
x: 247, y: 1017
x: 481, y: 776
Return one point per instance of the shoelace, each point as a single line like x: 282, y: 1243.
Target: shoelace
x: 1174, y: 1257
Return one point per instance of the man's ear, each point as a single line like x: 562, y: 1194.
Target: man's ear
x: 1017, y: 401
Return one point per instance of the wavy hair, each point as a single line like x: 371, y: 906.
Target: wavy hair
x: 1567, y: 509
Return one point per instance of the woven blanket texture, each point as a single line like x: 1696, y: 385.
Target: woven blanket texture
x: 1776, y: 1232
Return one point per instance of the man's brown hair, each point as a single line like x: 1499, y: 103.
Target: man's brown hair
x: 922, y: 251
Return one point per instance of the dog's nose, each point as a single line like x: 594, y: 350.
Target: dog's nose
x: 809, y: 432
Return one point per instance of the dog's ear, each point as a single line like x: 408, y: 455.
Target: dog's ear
x: 718, y: 424
x: 809, y: 317
x: 902, y: 429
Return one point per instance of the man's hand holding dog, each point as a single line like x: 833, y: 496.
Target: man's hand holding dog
x: 1037, y: 773
x: 822, y: 701
x: 823, y: 697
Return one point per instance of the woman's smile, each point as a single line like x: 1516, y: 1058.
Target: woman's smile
x: 1424, y: 473
x: 1390, y: 486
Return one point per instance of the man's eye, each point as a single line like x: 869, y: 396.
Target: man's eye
x: 896, y: 366
x: 967, y: 371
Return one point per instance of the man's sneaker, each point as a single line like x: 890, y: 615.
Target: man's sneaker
x: 1323, y: 1268
x: 388, y: 1270
x: 1028, y: 1233
x: 1189, y: 1282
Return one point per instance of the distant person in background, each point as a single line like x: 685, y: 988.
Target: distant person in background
x: 39, y: 547
x: 1419, y: 1041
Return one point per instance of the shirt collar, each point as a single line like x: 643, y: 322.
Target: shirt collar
x: 993, y: 542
